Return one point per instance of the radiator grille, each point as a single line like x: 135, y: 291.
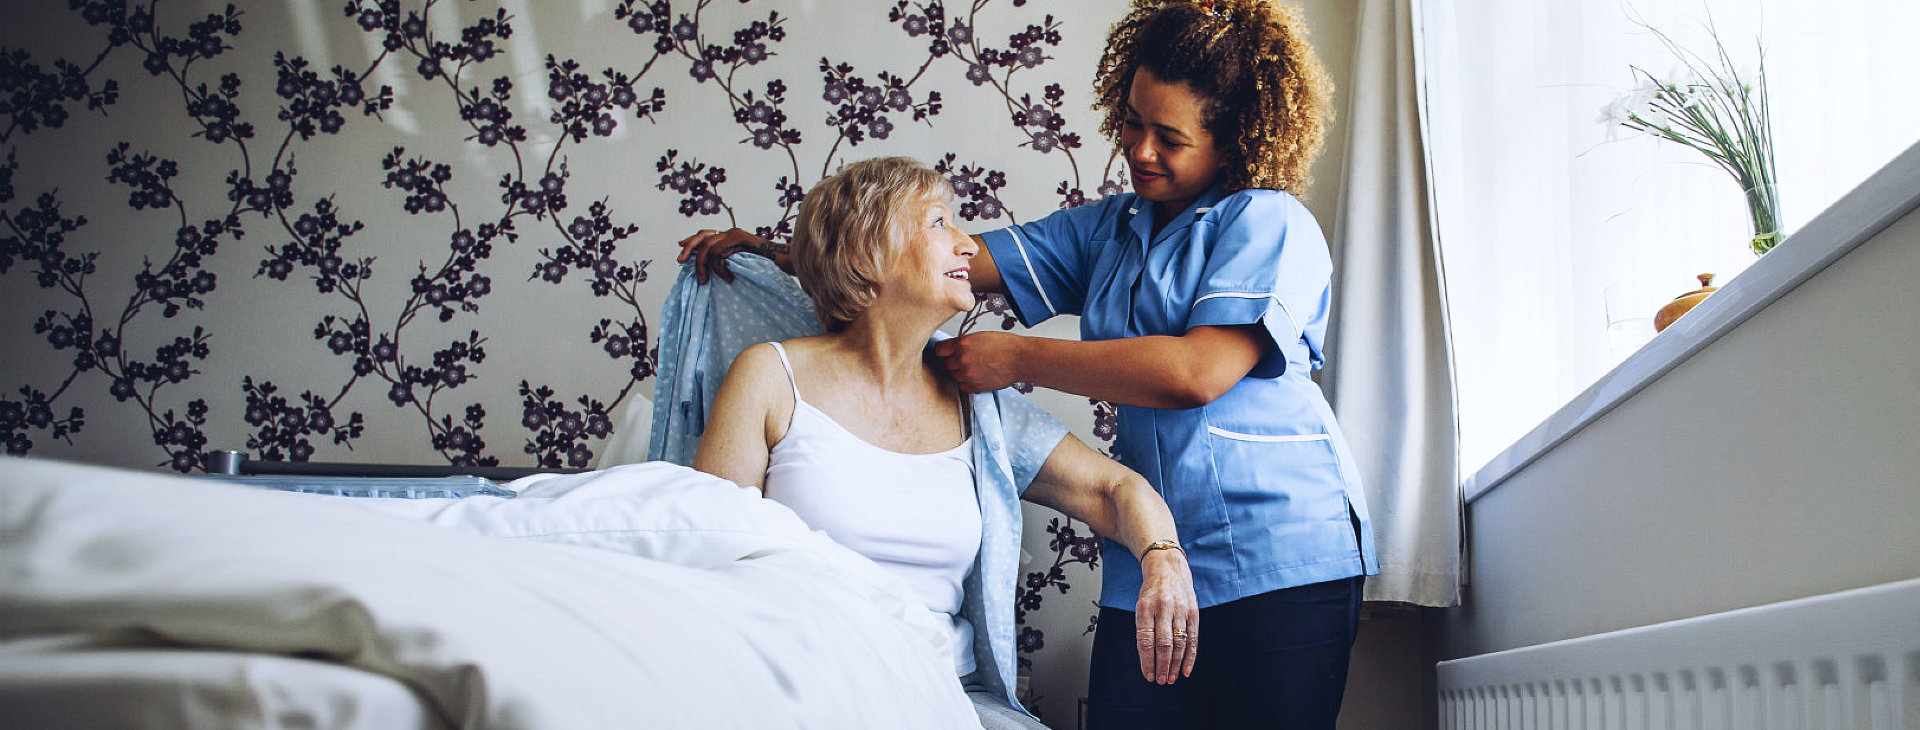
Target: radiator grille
x: 1842, y: 660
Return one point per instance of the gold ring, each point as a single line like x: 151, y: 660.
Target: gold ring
x: 1143, y: 631
x: 1179, y: 634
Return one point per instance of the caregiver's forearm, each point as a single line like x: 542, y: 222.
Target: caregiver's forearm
x: 1188, y: 371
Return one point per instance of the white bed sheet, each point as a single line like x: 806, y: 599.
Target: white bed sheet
x: 643, y: 596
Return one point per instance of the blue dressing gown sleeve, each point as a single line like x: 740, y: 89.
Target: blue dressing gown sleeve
x: 702, y: 328
x: 1012, y: 439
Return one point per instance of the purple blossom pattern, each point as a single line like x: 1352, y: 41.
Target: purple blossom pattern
x: 41, y: 235
x: 400, y: 339
x: 863, y: 108
x: 1069, y: 547
x: 283, y: 428
x: 561, y: 433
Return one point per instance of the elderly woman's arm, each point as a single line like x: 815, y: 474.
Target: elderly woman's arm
x: 739, y: 430
x: 1119, y: 504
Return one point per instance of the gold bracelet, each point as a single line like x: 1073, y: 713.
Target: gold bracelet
x: 1160, y: 545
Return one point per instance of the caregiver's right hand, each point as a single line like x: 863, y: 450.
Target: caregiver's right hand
x: 709, y: 250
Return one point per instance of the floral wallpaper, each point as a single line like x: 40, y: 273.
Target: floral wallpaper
x: 440, y: 230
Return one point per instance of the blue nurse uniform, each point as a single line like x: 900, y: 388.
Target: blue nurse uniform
x: 1262, y: 487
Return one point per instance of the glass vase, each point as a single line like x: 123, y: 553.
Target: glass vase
x: 1763, y: 206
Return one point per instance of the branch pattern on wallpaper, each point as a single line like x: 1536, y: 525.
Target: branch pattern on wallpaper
x: 37, y: 233
x: 306, y: 236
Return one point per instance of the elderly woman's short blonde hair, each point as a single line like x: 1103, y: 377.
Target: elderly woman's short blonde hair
x: 851, y: 228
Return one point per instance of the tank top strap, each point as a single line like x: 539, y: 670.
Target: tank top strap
x: 792, y: 381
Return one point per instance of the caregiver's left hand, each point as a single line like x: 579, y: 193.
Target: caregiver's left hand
x: 981, y: 361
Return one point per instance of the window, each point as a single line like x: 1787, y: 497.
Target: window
x: 1559, y: 244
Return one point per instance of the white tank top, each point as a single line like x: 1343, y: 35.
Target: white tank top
x: 915, y: 515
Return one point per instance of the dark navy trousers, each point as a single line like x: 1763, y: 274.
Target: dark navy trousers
x: 1274, y: 660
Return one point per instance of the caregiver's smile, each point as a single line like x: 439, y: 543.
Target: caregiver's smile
x: 1171, y: 156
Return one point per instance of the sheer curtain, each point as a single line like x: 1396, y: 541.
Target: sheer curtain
x: 1559, y: 243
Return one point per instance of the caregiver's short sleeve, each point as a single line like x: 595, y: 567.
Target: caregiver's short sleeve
x: 1045, y: 263
x: 1267, y: 263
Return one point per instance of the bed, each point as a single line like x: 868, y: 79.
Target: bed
x: 646, y: 595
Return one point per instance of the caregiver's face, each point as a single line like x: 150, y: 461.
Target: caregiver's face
x: 1170, y: 154
x: 937, y: 259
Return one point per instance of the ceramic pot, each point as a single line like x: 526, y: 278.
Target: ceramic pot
x: 1681, y: 304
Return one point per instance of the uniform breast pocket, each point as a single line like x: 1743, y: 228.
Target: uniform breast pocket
x: 1278, y: 489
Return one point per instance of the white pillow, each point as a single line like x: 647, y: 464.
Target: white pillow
x: 653, y: 509
x: 632, y: 426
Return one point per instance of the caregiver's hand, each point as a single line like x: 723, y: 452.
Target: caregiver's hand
x: 1167, y: 619
x: 981, y: 361
x: 709, y: 250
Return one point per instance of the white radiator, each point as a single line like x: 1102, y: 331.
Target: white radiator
x: 1842, y: 660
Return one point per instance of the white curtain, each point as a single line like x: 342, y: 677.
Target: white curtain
x: 1559, y: 243
x: 1389, y: 373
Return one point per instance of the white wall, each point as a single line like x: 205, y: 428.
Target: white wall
x: 1781, y: 461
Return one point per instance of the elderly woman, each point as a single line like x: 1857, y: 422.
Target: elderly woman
x: 863, y: 438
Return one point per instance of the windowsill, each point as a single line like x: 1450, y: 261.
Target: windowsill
x: 1883, y: 198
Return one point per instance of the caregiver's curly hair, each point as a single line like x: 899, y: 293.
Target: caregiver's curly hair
x: 1269, y: 98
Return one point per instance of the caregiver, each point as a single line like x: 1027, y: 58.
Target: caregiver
x: 1203, y: 298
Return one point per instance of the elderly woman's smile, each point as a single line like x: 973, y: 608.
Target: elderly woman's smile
x: 934, y: 245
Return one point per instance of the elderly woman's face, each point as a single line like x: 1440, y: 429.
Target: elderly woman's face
x: 935, y: 260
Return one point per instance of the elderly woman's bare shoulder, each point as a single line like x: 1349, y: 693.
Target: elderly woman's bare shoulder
x: 756, y: 369
x: 756, y: 360
x: 757, y: 383
x: 764, y: 363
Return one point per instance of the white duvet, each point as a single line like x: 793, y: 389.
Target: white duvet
x: 644, y: 596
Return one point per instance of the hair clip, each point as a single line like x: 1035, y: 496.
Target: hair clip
x: 1213, y: 8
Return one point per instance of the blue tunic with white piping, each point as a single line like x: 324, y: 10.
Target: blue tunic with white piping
x: 1262, y: 487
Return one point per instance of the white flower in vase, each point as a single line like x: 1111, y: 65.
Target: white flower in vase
x: 1717, y: 109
